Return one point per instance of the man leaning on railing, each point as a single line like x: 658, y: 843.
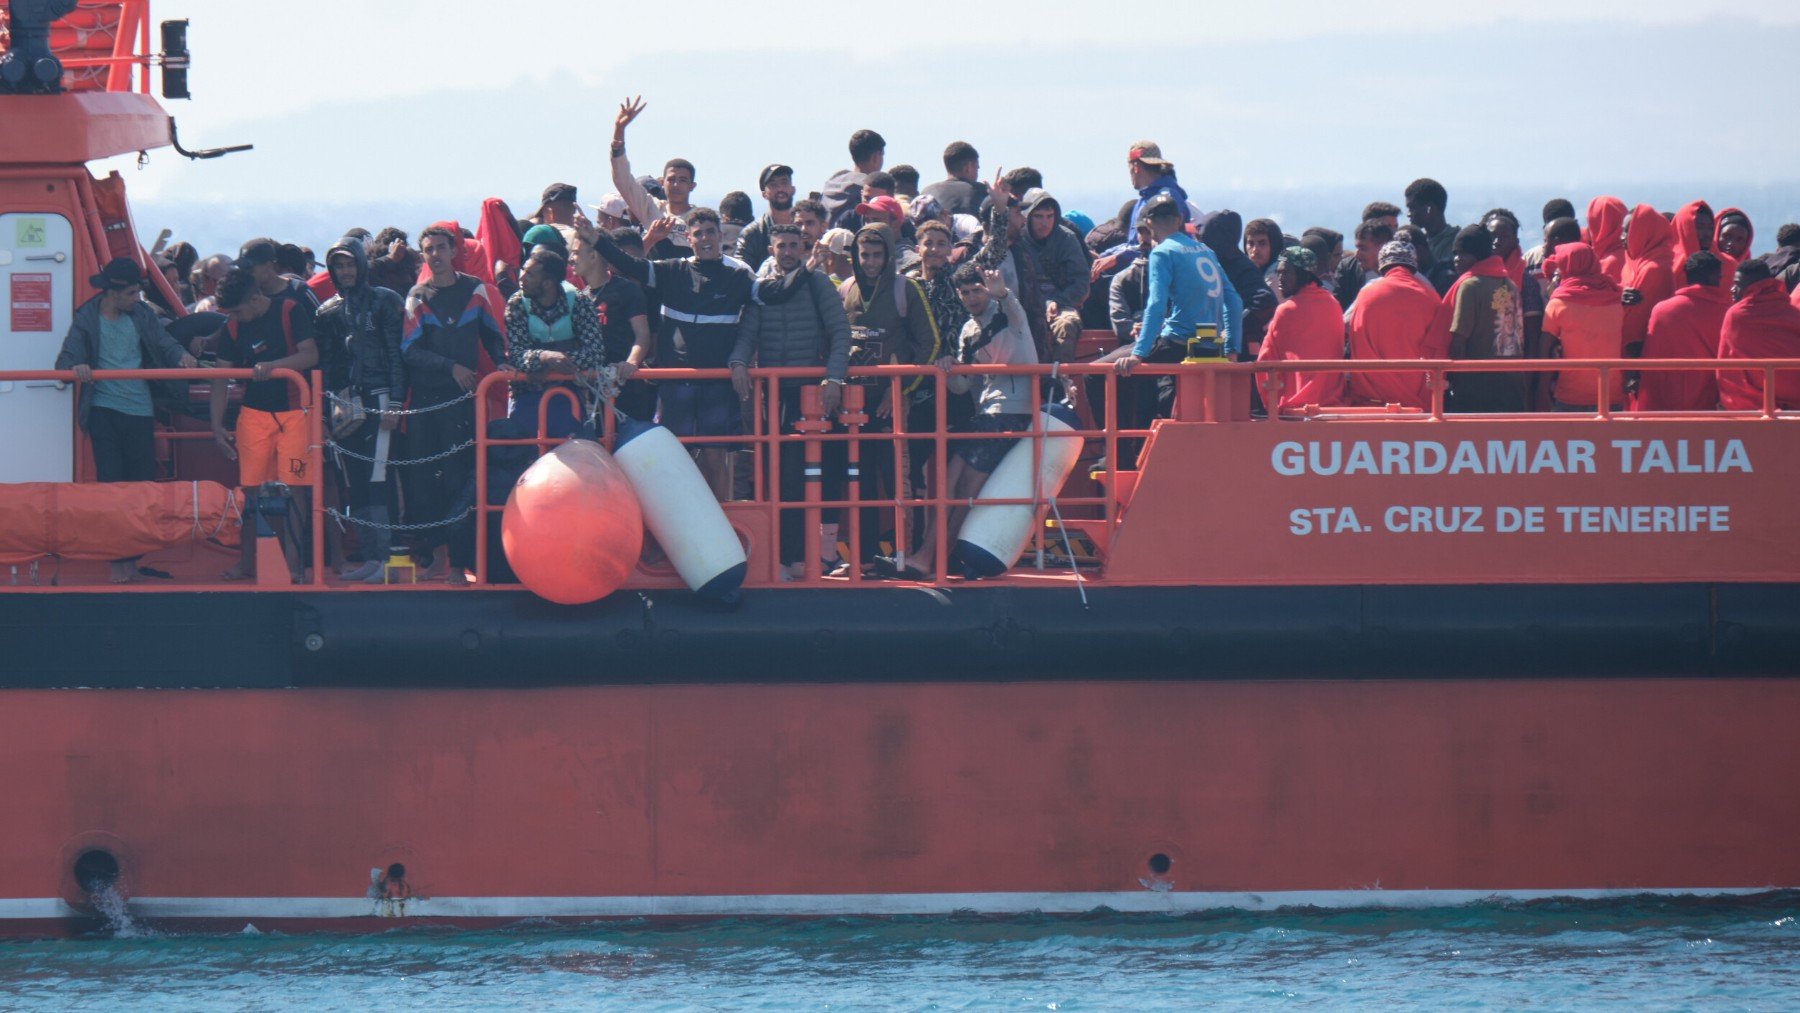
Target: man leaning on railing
x: 117, y: 329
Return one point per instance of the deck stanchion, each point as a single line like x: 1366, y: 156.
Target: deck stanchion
x: 854, y: 416
x: 812, y: 423
x: 315, y: 423
x: 481, y: 483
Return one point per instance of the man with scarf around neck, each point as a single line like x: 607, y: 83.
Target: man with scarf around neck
x: 451, y: 338
x: 797, y: 321
x: 1761, y: 324
x: 703, y: 298
x: 1394, y: 318
x: 997, y: 333
x: 1583, y: 320
x: 1482, y: 316
x: 890, y: 324
x: 1307, y: 325
x: 362, y: 324
x: 1685, y: 326
x: 552, y: 332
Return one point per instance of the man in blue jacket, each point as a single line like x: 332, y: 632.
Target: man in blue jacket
x: 1187, y: 289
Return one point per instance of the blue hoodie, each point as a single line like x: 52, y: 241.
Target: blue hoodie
x: 1126, y: 251
x: 1187, y: 288
x: 1164, y: 184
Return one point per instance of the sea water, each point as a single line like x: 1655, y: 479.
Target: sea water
x: 1644, y: 954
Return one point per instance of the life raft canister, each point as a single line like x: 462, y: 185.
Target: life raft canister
x: 994, y: 536
x: 680, y: 509
x: 573, y: 529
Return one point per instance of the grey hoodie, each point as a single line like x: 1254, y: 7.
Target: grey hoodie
x: 1062, y: 260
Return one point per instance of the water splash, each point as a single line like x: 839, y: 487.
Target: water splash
x: 111, y: 906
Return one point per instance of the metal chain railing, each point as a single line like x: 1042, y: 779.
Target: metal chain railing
x: 344, y: 518
x: 339, y: 448
x: 467, y: 395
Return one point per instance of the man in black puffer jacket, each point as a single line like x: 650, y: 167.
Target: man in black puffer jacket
x: 361, y: 325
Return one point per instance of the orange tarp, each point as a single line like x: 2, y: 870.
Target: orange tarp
x: 117, y: 520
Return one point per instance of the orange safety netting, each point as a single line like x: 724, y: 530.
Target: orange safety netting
x: 113, y: 520
x: 89, y: 32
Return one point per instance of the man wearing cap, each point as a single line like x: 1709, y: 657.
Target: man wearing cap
x: 270, y: 442
x: 1309, y: 325
x: 558, y: 205
x: 1394, y: 317
x: 777, y: 183
x: 612, y: 212
x: 677, y: 184
x: 1151, y: 174
x: 262, y: 259
x: 1185, y: 290
x: 117, y: 329
x: 836, y: 245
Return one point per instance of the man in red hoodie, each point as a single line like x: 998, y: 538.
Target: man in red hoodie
x: 1762, y: 324
x: 1649, y: 278
x: 1684, y: 326
x: 1734, y: 234
x: 1694, y: 228
x: 1393, y: 319
x: 1309, y: 325
x: 1604, y: 232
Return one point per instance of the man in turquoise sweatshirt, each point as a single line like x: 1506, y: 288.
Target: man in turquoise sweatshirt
x: 1187, y: 289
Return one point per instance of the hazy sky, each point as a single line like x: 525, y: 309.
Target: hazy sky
x: 407, y: 100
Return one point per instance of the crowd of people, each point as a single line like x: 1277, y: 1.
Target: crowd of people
x: 875, y: 268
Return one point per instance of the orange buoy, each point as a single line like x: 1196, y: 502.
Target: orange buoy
x: 572, y: 529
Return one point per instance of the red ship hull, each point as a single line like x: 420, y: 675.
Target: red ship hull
x: 271, y: 807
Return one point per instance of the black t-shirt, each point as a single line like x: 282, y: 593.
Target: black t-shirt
x: 618, y: 301
x: 274, y: 335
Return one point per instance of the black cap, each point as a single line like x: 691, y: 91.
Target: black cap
x: 1161, y: 206
x: 257, y: 251
x: 771, y: 171
x: 558, y: 192
x: 119, y: 273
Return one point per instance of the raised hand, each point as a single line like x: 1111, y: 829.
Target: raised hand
x: 628, y: 111
x: 995, y: 282
x: 584, y: 229
x: 1001, y: 189
x: 659, y: 230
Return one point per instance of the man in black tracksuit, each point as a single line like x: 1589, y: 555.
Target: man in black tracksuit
x: 361, y: 325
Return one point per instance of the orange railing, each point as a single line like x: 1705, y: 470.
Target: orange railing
x: 1210, y: 392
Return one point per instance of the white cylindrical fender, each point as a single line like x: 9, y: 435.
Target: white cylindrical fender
x: 993, y: 537
x: 679, y: 509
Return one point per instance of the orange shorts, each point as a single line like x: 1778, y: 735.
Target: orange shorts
x: 271, y: 447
